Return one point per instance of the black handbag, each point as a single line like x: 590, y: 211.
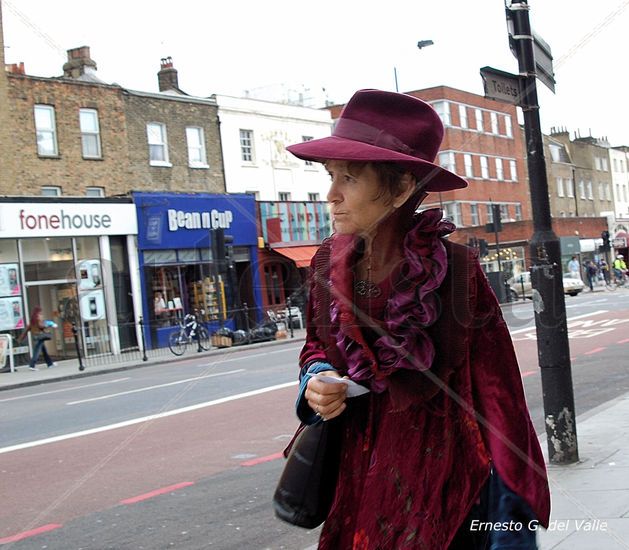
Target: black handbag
x: 305, y: 491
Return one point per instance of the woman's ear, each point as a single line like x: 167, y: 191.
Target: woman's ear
x: 408, y: 184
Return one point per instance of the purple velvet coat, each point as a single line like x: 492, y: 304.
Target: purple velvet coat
x: 417, y: 450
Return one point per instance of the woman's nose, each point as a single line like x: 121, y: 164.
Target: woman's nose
x: 333, y: 193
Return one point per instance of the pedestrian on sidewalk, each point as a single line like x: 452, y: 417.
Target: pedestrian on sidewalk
x: 443, y: 439
x: 40, y: 331
x: 574, y: 268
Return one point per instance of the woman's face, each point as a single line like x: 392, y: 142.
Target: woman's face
x: 353, y: 197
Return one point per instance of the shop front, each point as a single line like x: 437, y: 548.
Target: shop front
x: 198, y: 255
x: 69, y: 258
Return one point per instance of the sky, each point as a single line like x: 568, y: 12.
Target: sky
x: 340, y: 46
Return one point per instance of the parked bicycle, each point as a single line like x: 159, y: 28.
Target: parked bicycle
x: 189, y: 331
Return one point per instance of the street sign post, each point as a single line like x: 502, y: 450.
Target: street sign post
x: 502, y: 86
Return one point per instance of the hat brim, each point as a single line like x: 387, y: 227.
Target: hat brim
x: 434, y: 177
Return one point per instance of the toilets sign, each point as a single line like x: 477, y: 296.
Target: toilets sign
x: 66, y: 219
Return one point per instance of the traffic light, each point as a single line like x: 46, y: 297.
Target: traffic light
x: 483, y: 249
x: 606, y: 243
x: 497, y: 221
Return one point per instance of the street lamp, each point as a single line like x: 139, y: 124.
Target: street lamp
x: 423, y: 43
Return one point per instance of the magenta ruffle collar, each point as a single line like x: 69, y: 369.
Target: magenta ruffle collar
x: 411, y: 308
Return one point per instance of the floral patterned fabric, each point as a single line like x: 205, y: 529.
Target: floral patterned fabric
x: 417, y: 449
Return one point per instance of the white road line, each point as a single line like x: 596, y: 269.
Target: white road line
x: 149, y: 418
x: 147, y: 388
x: 532, y: 327
x: 64, y: 389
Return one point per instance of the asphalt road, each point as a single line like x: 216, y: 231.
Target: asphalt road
x: 187, y: 455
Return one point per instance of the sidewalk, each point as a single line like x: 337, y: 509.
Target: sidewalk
x: 68, y: 370
x: 590, y: 499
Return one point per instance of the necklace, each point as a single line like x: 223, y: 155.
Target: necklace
x: 366, y: 287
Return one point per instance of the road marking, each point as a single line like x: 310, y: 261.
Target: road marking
x: 154, y: 387
x: 64, y: 389
x: 157, y: 492
x: 593, y: 351
x: 148, y: 418
x: 262, y: 459
x: 528, y: 329
x: 625, y: 341
x: 528, y: 373
x: 30, y: 533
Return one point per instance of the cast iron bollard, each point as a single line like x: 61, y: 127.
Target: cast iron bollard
x: 75, y: 333
x: 144, y: 357
x: 290, y: 318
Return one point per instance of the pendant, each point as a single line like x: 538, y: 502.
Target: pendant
x: 367, y: 289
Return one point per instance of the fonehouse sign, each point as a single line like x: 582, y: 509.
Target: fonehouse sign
x: 66, y: 219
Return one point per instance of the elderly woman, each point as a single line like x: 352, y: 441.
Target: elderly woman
x: 443, y: 442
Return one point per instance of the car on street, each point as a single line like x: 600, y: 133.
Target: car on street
x: 520, y: 285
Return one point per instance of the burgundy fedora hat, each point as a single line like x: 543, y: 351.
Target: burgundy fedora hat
x: 377, y: 126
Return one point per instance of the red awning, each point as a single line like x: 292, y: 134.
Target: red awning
x: 301, y: 255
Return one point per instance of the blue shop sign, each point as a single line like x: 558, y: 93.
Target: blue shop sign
x: 185, y: 220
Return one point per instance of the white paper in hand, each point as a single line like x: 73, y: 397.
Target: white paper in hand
x: 353, y: 389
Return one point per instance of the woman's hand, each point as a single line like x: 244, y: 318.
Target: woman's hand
x: 325, y: 398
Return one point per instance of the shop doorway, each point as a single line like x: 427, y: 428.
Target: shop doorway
x: 58, y: 300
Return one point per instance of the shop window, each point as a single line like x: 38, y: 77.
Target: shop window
x: 48, y: 259
x: 13, y: 317
x: 274, y: 284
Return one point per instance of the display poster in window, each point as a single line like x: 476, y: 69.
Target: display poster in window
x: 90, y: 274
x: 11, y: 313
x: 9, y: 280
x: 92, y: 305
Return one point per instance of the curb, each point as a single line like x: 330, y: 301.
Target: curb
x: 151, y: 363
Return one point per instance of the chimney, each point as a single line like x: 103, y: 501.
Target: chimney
x: 167, y: 75
x: 15, y: 68
x: 79, y: 63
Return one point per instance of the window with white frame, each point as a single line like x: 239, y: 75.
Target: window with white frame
x: 494, y: 122
x: 469, y: 167
x: 514, y: 170
x: 560, y: 189
x: 474, y: 214
x: 443, y: 110
x: 283, y: 196
x: 307, y: 138
x: 463, y: 116
x: 504, y: 212
x: 518, y: 212
x: 484, y: 167
x: 94, y: 192
x: 601, y: 191
x: 590, y: 192
x: 555, y: 152
x: 570, y: 186
x: 46, y: 131
x: 479, y: 119
x: 90, y: 134
x: 490, y: 213
x: 51, y: 191
x: 195, y: 140
x: 447, y: 161
x: 508, y: 126
x: 615, y: 165
x: 500, y: 175
x: 314, y: 197
x: 452, y: 211
x: 246, y: 145
x: 624, y: 192
x: 158, y: 143
x: 604, y: 165
x: 608, y: 192
x: 582, y: 189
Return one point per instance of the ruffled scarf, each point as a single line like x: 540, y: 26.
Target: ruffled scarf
x: 412, y: 307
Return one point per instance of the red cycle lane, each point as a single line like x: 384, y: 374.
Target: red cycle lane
x: 50, y: 484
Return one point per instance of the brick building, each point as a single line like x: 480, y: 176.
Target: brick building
x: 4, y: 100
x: 68, y: 134
x: 173, y: 139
